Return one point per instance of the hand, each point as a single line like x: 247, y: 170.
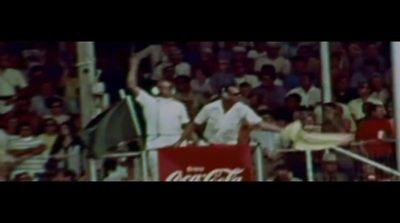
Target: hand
x: 177, y: 144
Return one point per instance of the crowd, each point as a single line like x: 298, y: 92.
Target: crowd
x: 280, y: 81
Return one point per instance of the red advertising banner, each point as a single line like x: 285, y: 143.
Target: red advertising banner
x: 207, y: 163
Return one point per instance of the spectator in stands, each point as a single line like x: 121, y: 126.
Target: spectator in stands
x: 376, y: 127
x: 57, y: 111
x: 71, y: 87
x: 356, y: 105
x: 201, y: 81
x: 282, y: 65
x: 370, y: 69
x: 293, y: 80
x: 334, y: 122
x: 38, y: 102
x: 64, y: 175
x: 208, y: 60
x: 330, y: 170
x: 289, y: 49
x: 313, y: 64
x: 11, y: 128
x: 339, y: 66
x: 310, y: 95
x: 269, y: 69
x: 343, y: 92
x: 283, y: 174
x: 157, y: 53
x: 193, y: 101
x: 69, y: 149
x: 371, y: 52
x: 23, y: 177
x: 223, y: 77
x: 292, y: 104
x: 247, y: 94
x: 241, y: 75
x: 49, y: 135
x: 258, y: 52
x: 26, y: 151
x: 378, y: 90
x: 239, y: 54
x: 22, y: 113
x: 269, y: 94
x: 12, y: 83
x: 181, y: 67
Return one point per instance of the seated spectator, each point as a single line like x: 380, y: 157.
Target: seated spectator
x: 22, y: 177
x: 201, y: 81
x: 334, y: 122
x: 69, y: 150
x: 371, y: 52
x: 38, y: 102
x: 247, y: 94
x: 313, y: 64
x: 282, y: 65
x: 10, y: 80
x: 258, y: 52
x: 269, y: 94
x: 26, y: 151
x: 289, y: 49
x: 343, y: 92
x: 193, y: 101
x: 292, y: 104
x: 330, y: 170
x: 239, y: 54
x: 22, y: 113
x: 370, y: 70
x: 241, y: 75
x: 208, y: 60
x: 377, y: 127
x: 338, y: 66
x: 50, y: 134
x: 283, y: 174
x: 181, y: 67
x: 223, y: 77
x: 356, y: 105
x: 343, y: 112
x: 292, y: 80
x: 64, y: 175
x: 57, y: 111
x: 269, y: 69
x: 71, y: 87
x: 310, y: 95
x: 378, y: 91
x: 11, y: 129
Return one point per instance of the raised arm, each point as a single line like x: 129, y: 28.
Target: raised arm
x: 132, y: 75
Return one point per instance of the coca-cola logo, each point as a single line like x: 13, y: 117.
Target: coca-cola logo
x: 199, y: 174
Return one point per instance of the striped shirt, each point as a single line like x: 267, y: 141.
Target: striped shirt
x: 33, y: 164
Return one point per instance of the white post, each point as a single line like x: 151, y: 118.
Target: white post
x: 259, y: 163
x: 396, y: 92
x: 310, y: 174
x: 93, y: 170
x: 326, y: 72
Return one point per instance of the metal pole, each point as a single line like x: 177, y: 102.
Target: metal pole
x: 326, y: 72
x: 259, y: 163
x: 396, y: 92
x: 310, y: 174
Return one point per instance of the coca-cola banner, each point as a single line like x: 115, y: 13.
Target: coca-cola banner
x: 209, y: 163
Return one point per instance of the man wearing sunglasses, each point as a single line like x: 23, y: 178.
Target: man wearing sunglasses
x: 224, y: 119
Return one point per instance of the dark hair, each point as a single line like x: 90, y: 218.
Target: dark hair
x: 268, y: 69
x: 299, y: 59
x: 294, y: 96
x: 36, y: 69
x: 371, y: 107
x: 67, y: 173
x: 184, y: 78
x: 332, y: 105
x: 46, y: 121
x: 304, y: 108
x: 24, y: 98
x: 364, y: 82
x: 371, y: 62
x: 226, y: 87
x: 271, y: 75
x: 244, y: 84
x: 204, y: 69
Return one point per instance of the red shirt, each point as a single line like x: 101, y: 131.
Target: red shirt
x: 368, y: 129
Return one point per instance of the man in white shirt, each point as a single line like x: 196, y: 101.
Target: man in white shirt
x: 242, y: 77
x: 57, y: 111
x: 10, y: 80
x: 165, y: 117
x: 356, y: 106
x: 224, y: 119
x: 310, y: 95
x: 282, y: 65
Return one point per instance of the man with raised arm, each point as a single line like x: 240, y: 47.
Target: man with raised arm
x: 165, y: 117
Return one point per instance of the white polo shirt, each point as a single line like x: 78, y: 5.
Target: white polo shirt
x: 281, y: 64
x: 34, y: 164
x: 9, y: 80
x: 223, y: 128
x: 356, y: 106
x: 310, y: 98
x: 164, y: 116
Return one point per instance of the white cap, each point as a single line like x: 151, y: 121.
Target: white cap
x: 329, y: 157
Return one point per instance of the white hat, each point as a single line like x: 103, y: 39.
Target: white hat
x: 274, y: 44
x: 329, y: 157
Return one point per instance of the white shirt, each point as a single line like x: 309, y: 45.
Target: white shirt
x: 281, y: 64
x: 59, y: 119
x: 223, y: 128
x: 3, y: 144
x: 310, y: 98
x: 180, y: 69
x: 254, y: 54
x: 33, y: 164
x: 202, y: 88
x: 248, y: 78
x: 164, y: 116
x: 356, y: 106
x: 382, y: 95
x: 9, y: 80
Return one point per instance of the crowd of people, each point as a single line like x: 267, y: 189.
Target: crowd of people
x: 280, y: 81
